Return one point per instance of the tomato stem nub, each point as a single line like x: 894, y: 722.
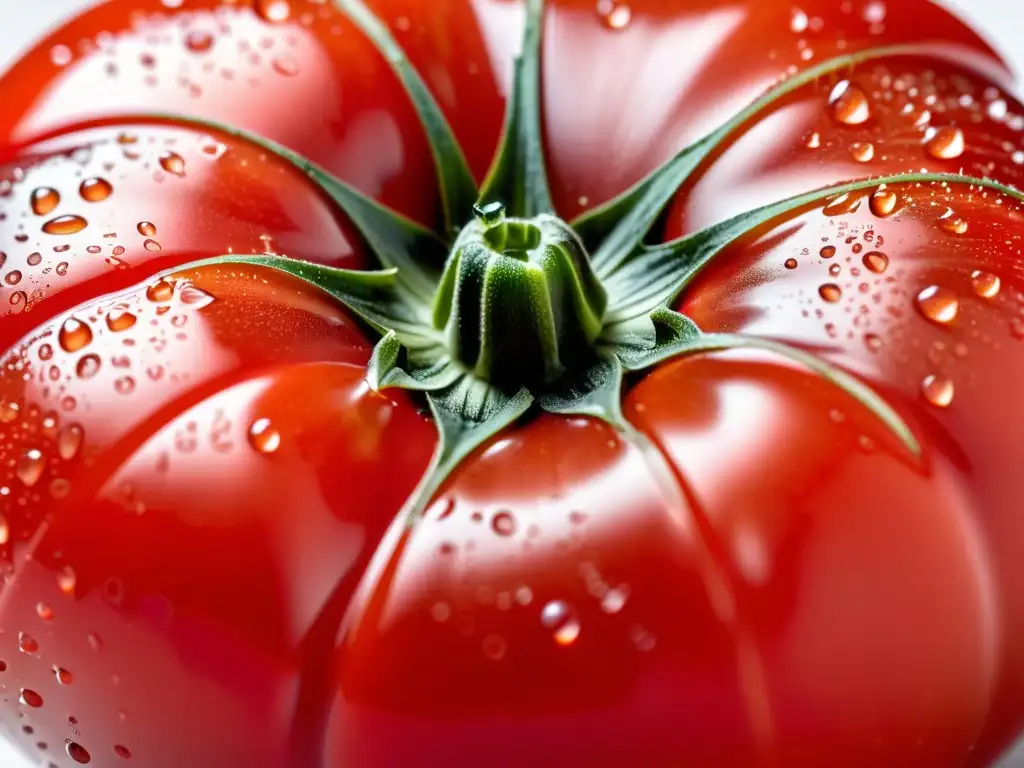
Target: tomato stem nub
x: 518, y: 303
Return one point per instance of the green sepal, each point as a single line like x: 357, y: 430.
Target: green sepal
x: 518, y: 176
x: 615, y: 229
x: 394, y: 240
x: 455, y: 180
x: 690, y: 344
x: 384, y: 370
x: 596, y: 392
x: 654, y: 275
x: 641, y: 339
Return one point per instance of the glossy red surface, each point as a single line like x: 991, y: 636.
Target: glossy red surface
x: 765, y: 578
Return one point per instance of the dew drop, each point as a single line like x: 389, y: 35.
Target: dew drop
x: 944, y: 143
x: 876, y: 261
x: 88, y: 367
x: 503, y: 523
x: 614, y: 599
x: 273, y: 11
x: 940, y: 305
x: 69, y: 441
x: 95, y: 190
x: 938, y: 390
x: 849, y: 103
x: 27, y: 643
x: 791, y: 263
x: 953, y: 223
x: 60, y: 55
x: 74, y: 335
x: 173, y: 163
x: 44, y: 200
x: 123, y: 752
x: 120, y: 320
x: 151, y: 245
x: 863, y: 152
x: 34, y: 259
x: 872, y: 341
x: 830, y: 292
x: 285, y: 65
x: 883, y: 203
x: 13, y: 277
x: 160, y: 291
x: 77, y: 752
x: 199, y: 41
x: 814, y: 140
x: 62, y: 268
x: 124, y: 385
x: 558, y: 617
x: 798, y: 21
x: 263, y: 436
x: 985, y: 284
x: 63, y: 676
x: 30, y: 467
x: 146, y: 228
x: 30, y: 698
x: 65, y: 225
x: 614, y: 15
x: 44, y: 611
x: 66, y: 580
x: 835, y: 270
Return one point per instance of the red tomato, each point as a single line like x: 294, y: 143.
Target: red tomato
x: 194, y: 473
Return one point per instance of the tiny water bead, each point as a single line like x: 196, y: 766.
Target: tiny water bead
x: 74, y: 335
x: 27, y: 643
x: 273, y: 11
x: 151, y: 245
x: 13, y: 277
x: 503, y: 523
x: 952, y: 223
x: 985, y: 284
x: 30, y: 467
x: 944, y: 143
x: 814, y: 141
x: 77, y: 752
x: 263, y: 437
x: 285, y: 65
x: 95, y: 190
x: 863, y: 152
x: 30, y: 698
x: 827, y: 252
x: 120, y: 320
x: 830, y: 292
x: 160, y: 291
x: 849, y: 102
x: 883, y: 203
x: 69, y: 441
x: 791, y: 263
x: 938, y: 390
x: 872, y: 341
x: 146, y: 228
x: 65, y: 225
x: 63, y: 676
x: 44, y: 200
x: 88, y: 366
x: 876, y: 261
x: 199, y: 41
x: 123, y: 752
x: 44, y: 611
x: 173, y: 163
x: 940, y: 305
x: 560, y: 619
x: 835, y: 270
x: 614, y: 15
x: 67, y: 580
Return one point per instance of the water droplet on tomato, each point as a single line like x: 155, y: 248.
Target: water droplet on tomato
x: 495, y: 647
x: 872, y: 341
x: 615, y: 599
x: 883, y: 203
x: 63, y: 676
x: 173, y: 163
x: 160, y: 291
x: 863, y: 152
x: 62, y: 268
x: 44, y: 611
x: 30, y: 698
x: 74, y: 335
x: 77, y: 752
x: 123, y: 752
x: 60, y: 55
x: 44, y: 200
x: 985, y: 284
x: 30, y: 467
x: 938, y: 390
x: 560, y: 619
x: 95, y: 190
x: 5, y: 530
x: 69, y: 441
x: 945, y: 143
x: 798, y: 21
x: 65, y: 225
x: 13, y: 277
x: 263, y: 436
x: 940, y: 305
x: 199, y: 41
x: 146, y: 228
x: 814, y: 140
x: 953, y: 223
x: 614, y: 14
x: 273, y: 11
x: 790, y: 263
x: 151, y: 245
x: 124, y: 385
x: 827, y: 252
x: 830, y: 292
x: 88, y: 366
x: 876, y: 261
x: 27, y: 643
x: 503, y: 523
x: 66, y: 580
x: 849, y: 103
x: 285, y: 65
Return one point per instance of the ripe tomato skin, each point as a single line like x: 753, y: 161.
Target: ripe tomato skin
x: 150, y: 197
x: 182, y: 563
x: 310, y: 81
x: 755, y: 606
x: 954, y: 378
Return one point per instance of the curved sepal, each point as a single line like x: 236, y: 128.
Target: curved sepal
x: 618, y: 227
x: 457, y: 186
x: 654, y: 275
x: 395, y: 240
x: 433, y: 371
x: 637, y: 341
x: 518, y: 176
x: 595, y: 392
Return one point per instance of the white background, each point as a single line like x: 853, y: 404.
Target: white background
x: 21, y: 22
